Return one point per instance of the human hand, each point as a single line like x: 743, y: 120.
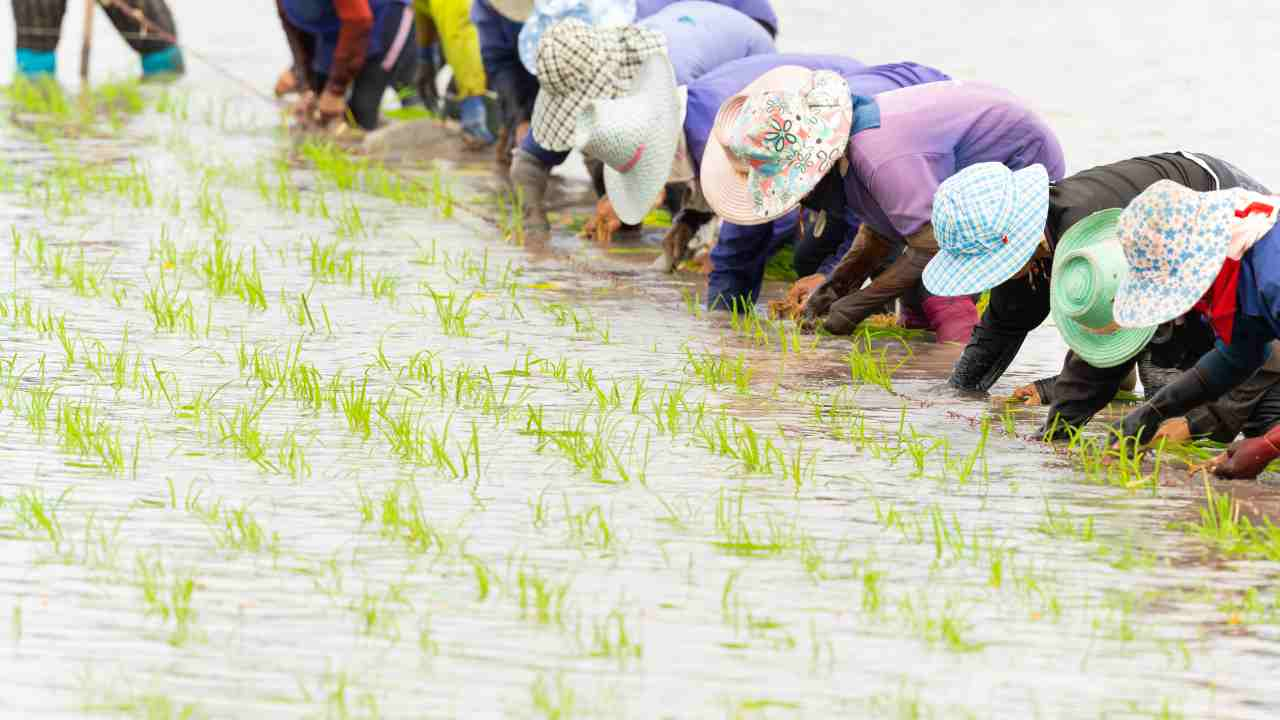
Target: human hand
x: 330, y: 106
x: 675, y: 245
x: 1245, y: 459
x: 803, y: 288
x: 1028, y: 394
x: 604, y: 223
x: 303, y: 108
x: 286, y: 83
x: 1173, y: 432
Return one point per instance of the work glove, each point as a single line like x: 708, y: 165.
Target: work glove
x: 475, y: 122
x: 1246, y: 459
x: 1185, y: 392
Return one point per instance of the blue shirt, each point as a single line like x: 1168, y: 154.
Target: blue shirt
x: 702, y: 36
x: 758, y: 10
x: 1257, y: 319
x: 499, y: 40
x: 319, y: 19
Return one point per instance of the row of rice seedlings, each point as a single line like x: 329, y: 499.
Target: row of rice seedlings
x: 1222, y: 526
x: 716, y: 370
x: 84, y: 278
x: 48, y: 107
x: 225, y: 275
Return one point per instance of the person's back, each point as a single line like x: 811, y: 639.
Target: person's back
x: 701, y: 36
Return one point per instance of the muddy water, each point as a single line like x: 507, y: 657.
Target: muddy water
x: 347, y: 573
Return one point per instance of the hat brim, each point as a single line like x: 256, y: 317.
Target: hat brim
x: 1101, y: 350
x: 555, y: 116
x: 952, y: 274
x: 727, y: 190
x: 632, y: 193
x: 1143, y: 299
x: 612, y: 13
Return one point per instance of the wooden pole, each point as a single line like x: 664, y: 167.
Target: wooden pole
x: 87, y: 42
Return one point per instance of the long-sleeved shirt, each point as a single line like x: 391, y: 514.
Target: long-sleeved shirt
x: 759, y: 10
x: 1257, y: 318
x: 459, y: 41
x: 737, y: 269
x: 929, y: 132
x: 499, y: 38
x: 702, y: 36
x: 1020, y: 305
x: 343, y: 32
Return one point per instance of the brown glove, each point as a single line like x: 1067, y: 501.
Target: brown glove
x: 1246, y: 459
x: 789, y: 307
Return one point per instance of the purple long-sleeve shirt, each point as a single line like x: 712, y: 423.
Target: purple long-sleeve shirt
x: 701, y: 36
x: 926, y: 134
x: 758, y: 10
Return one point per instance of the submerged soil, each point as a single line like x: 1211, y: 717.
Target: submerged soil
x: 288, y: 434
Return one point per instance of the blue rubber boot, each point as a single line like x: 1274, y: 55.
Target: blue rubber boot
x: 475, y: 121
x: 163, y: 64
x: 33, y: 63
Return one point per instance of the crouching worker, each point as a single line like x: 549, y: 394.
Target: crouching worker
x: 350, y: 50
x: 446, y: 24
x: 39, y: 26
x: 739, y: 258
x: 1216, y: 253
x: 902, y: 146
x: 1003, y: 231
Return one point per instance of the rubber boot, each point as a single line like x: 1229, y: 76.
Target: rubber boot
x: 166, y: 64
x: 951, y: 318
x: 34, y: 63
x: 530, y: 177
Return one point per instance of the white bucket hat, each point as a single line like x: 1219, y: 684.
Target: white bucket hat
x: 517, y: 10
x: 577, y: 64
x: 635, y: 136
x: 547, y: 13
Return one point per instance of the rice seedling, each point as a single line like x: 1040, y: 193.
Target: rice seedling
x: 170, y: 311
x: 611, y: 640
x: 590, y: 529
x: 37, y: 515
x: 717, y: 370
x: 237, y: 529
x: 943, y: 627
x: 330, y: 263
x: 553, y: 699
x: 82, y: 431
x: 542, y: 599
x: 167, y: 595
x: 452, y: 311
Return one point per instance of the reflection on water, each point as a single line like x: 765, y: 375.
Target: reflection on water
x: 280, y: 448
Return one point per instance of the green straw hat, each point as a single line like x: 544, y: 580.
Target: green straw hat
x: 1088, y: 267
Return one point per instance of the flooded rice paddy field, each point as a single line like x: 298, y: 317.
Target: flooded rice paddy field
x: 289, y: 434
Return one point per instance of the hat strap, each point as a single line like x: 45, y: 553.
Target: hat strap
x: 635, y: 158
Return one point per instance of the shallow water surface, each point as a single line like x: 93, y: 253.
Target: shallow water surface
x: 286, y: 441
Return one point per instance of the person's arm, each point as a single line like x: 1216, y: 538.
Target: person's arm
x: 499, y: 54
x: 1223, y: 419
x: 737, y: 265
x: 301, y: 47
x: 1218, y: 372
x: 1079, y: 392
x: 356, y: 20
x: 846, y: 313
x: 460, y: 43
x: 1016, y: 307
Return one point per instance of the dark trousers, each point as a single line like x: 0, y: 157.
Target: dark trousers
x: 39, y: 24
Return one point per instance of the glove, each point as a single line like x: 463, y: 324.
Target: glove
x: 1245, y: 459
x: 475, y: 122
x: 1186, y: 392
x: 425, y: 80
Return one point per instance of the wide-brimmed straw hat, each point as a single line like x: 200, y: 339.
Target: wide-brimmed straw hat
x: 1088, y: 267
x: 635, y: 136
x: 774, y: 141
x: 578, y: 63
x: 517, y: 10
x: 1176, y: 240
x: 546, y: 13
x: 987, y: 220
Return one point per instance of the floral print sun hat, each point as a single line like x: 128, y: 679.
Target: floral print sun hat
x: 1176, y: 241
x: 774, y: 141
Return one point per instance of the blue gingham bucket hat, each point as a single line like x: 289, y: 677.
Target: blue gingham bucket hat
x: 546, y: 13
x: 987, y: 220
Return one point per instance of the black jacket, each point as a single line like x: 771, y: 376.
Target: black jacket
x: 1019, y: 306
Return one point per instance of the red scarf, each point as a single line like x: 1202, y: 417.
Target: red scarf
x: 1218, y: 304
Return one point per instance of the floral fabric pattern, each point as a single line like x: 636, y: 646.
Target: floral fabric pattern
x: 1176, y: 240
x: 786, y: 141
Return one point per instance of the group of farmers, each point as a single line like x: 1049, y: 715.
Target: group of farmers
x: 893, y: 183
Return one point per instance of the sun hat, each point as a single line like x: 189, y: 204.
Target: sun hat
x: 546, y: 13
x: 636, y: 137
x: 987, y: 220
x: 1176, y: 241
x: 578, y: 63
x: 1088, y: 267
x: 774, y: 141
x: 517, y: 10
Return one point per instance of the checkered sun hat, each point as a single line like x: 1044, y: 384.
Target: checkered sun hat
x: 577, y: 64
x: 549, y: 13
x: 1176, y: 241
x: 988, y: 220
